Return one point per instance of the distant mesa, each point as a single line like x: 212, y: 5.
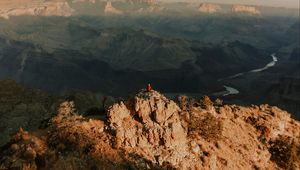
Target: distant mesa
x: 109, y: 9
x: 36, y: 8
x: 78, y: 1
x: 142, y: 1
x: 150, y: 9
x: 209, y: 8
x: 245, y: 9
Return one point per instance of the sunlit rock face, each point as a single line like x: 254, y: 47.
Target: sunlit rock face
x: 209, y: 8
x: 245, y: 9
x: 149, y: 131
x: 35, y: 8
x: 150, y: 125
x: 160, y: 131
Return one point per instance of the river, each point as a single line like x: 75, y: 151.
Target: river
x: 232, y: 91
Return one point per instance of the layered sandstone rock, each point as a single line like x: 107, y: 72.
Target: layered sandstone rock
x: 245, y: 9
x: 209, y: 8
x: 36, y: 8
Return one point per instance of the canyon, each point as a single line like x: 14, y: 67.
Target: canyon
x: 225, y: 85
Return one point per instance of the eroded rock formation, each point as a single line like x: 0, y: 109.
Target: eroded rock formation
x: 209, y: 8
x: 35, y: 8
x: 245, y: 9
x: 150, y: 126
x: 150, y: 131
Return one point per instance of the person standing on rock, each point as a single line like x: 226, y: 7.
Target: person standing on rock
x: 149, y: 88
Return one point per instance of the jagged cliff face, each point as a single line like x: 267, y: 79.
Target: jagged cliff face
x: 150, y: 131
x: 245, y: 9
x: 35, y: 8
x: 209, y: 8
x: 150, y: 126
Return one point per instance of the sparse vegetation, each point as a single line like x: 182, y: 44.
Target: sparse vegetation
x: 208, y: 127
x: 285, y: 153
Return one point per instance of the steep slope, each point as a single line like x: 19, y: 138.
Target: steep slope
x: 285, y: 92
x: 22, y: 107
x: 142, y: 55
x: 150, y: 131
x: 31, y: 108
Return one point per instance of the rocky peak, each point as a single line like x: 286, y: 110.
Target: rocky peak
x: 150, y: 108
x: 245, y: 9
x: 149, y: 131
x: 150, y: 125
x: 209, y: 8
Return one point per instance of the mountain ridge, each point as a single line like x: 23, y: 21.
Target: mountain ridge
x: 66, y: 8
x: 37, y: 8
x: 146, y: 130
